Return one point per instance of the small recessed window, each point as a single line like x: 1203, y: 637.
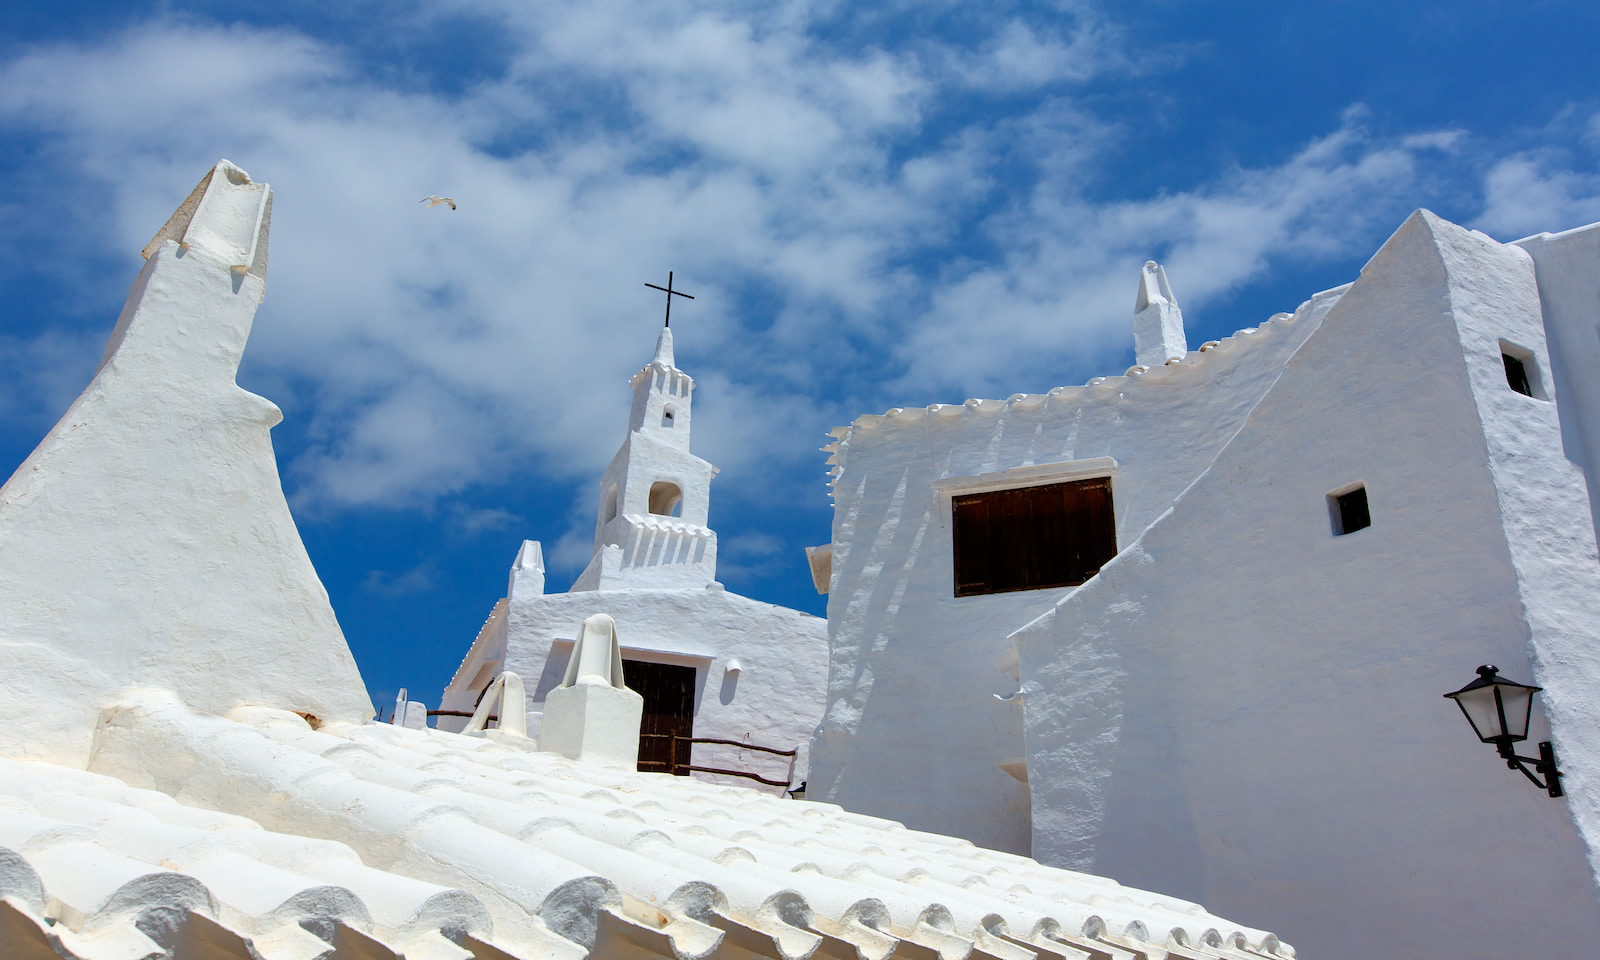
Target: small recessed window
x: 1522, y: 370
x: 667, y: 416
x: 1348, y: 510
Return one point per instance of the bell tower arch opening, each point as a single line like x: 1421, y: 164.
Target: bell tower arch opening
x: 666, y: 499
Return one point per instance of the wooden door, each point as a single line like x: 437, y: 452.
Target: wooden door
x: 668, y: 691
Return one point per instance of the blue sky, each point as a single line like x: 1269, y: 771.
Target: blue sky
x: 875, y: 205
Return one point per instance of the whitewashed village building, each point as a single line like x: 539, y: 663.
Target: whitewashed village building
x: 1190, y: 626
x: 712, y: 665
x: 189, y: 769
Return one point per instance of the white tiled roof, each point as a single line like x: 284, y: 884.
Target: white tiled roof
x: 373, y: 841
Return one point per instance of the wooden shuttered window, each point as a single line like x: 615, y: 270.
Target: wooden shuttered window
x: 1030, y: 538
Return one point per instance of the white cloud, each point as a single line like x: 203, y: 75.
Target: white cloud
x: 1446, y: 141
x: 43, y: 375
x: 1525, y: 194
x: 438, y: 347
x: 1020, y: 57
x: 1070, y: 264
x: 755, y: 554
x: 470, y: 520
x: 428, y: 350
x: 572, y: 552
x: 1550, y: 182
x: 419, y: 579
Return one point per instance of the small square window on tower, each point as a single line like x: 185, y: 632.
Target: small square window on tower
x: 1522, y: 370
x: 1348, y: 510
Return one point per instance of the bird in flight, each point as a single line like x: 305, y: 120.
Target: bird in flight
x: 433, y: 201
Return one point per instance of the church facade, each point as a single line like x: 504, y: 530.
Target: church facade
x: 1194, y: 622
x: 712, y: 665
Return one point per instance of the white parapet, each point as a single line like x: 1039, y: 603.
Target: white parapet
x: 415, y: 715
x: 1157, y: 322
x: 527, y: 573
x: 593, y: 721
x: 506, y: 691
x: 592, y: 716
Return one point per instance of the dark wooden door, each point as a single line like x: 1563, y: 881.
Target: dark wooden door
x: 668, y: 692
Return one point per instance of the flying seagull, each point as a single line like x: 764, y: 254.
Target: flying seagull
x: 433, y: 201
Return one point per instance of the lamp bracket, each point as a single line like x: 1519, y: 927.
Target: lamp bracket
x: 1545, y: 764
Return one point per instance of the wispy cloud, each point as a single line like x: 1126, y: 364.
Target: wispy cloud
x: 757, y: 554
x: 1068, y: 263
x: 1549, y: 182
x: 470, y: 520
x: 419, y: 579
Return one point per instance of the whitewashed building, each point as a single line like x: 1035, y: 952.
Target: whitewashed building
x: 188, y: 768
x: 1193, y: 623
x: 712, y: 665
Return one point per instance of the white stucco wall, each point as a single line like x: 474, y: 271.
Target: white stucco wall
x: 1542, y: 493
x: 1246, y: 708
x: 774, y: 699
x: 1569, y: 292
x: 913, y: 730
x: 146, y: 539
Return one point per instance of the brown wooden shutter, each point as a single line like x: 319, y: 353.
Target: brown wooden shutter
x: 1031, y: 538
x: 1091, y: 527
x: 1051, y: 542
x: 972, y: 545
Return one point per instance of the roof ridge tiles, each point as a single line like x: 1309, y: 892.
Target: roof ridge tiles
x: 721, y: 861
x: 1193, y: 358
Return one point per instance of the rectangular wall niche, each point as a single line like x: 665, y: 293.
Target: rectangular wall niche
x: 1031, y: 538
x: 1348, y: 510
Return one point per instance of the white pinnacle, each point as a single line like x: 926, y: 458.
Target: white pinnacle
x: 664, y: 348
x: 1157, y: 322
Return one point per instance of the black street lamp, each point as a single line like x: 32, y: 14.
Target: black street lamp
x: 1498, y: 710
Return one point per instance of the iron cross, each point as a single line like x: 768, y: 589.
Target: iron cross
x: 670, y: 294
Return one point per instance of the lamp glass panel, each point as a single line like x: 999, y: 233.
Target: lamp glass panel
x: 1519, y: 703
x: 1481, y: 712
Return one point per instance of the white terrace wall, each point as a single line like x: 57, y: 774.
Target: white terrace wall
x: 1246, y: 708
x: 913, y: 730
x: 774, y: 698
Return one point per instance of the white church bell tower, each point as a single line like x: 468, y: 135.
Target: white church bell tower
x: 655, y: 496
